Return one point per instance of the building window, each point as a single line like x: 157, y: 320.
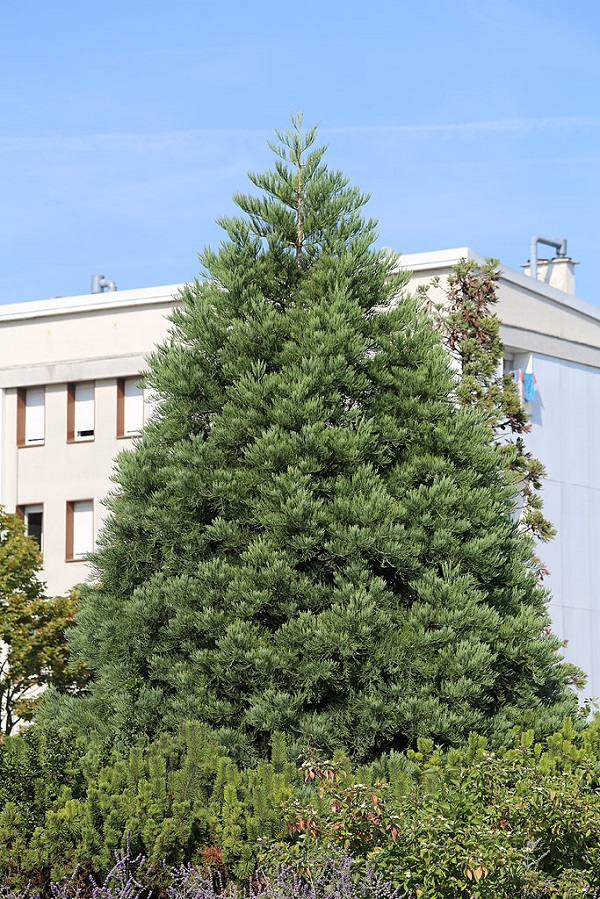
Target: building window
x: 130, y: 407
x: 520, y: 367
x: 33, y: 518
x: 80, y: 412
x: 80, y: 529
x: 31, y: 416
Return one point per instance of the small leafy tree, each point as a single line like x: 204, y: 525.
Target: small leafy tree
x: 310, y: 536
x: 34, y: 650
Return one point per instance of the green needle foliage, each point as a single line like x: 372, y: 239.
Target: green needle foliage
x: 471, y: 332
x: 311, y: 536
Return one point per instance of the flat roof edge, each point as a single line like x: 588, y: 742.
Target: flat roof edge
x: 91, y: 302
x: 415, y: 262
x: 419, y: 262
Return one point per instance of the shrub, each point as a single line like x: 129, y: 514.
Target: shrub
x: 177, y: 800
x: 523, y: 822
x: 520, y: 822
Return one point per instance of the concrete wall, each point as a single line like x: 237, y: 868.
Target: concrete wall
x: 565, y: 435
x: 535, y: 316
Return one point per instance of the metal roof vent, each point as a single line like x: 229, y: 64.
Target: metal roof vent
x: 561, y: 250
x: 100, y: 284
x: 558, y: 272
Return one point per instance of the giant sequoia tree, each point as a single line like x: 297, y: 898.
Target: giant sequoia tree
x: 311, y: 536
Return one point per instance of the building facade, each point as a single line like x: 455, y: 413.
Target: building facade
x: 70, y: 401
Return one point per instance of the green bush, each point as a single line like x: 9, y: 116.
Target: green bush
x: 469, y: 823
x: 520, y: 822
x: 179, y: 799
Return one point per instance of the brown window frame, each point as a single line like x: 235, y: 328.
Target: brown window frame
x: 20, y: 510
x: 22, y: 416
x: 121, y: 407
x: 71, y: 437
x: 69, y: 528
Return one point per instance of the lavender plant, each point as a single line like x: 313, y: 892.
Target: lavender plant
x: 335, y: 877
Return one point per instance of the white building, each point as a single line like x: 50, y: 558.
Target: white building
x: 69, y: 402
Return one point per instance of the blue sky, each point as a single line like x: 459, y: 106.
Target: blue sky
x: 126, y: 126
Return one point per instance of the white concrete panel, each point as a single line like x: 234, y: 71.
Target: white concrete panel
x: 593, y: 420
x: 594, y: 549
x: 578, y: 631
x: 592, y: 688
x: 90, y: 330
x: 557, y: 619
x: 2, y: 448
x: 573, y: 423
x: 575, y: 547
x: 551, y: 553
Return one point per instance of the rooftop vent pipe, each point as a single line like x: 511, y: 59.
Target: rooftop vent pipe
x: 100, y: 284
x: 559, y: 245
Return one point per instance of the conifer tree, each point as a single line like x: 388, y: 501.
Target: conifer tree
x: 470, y: 330
x: 311, y: 536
